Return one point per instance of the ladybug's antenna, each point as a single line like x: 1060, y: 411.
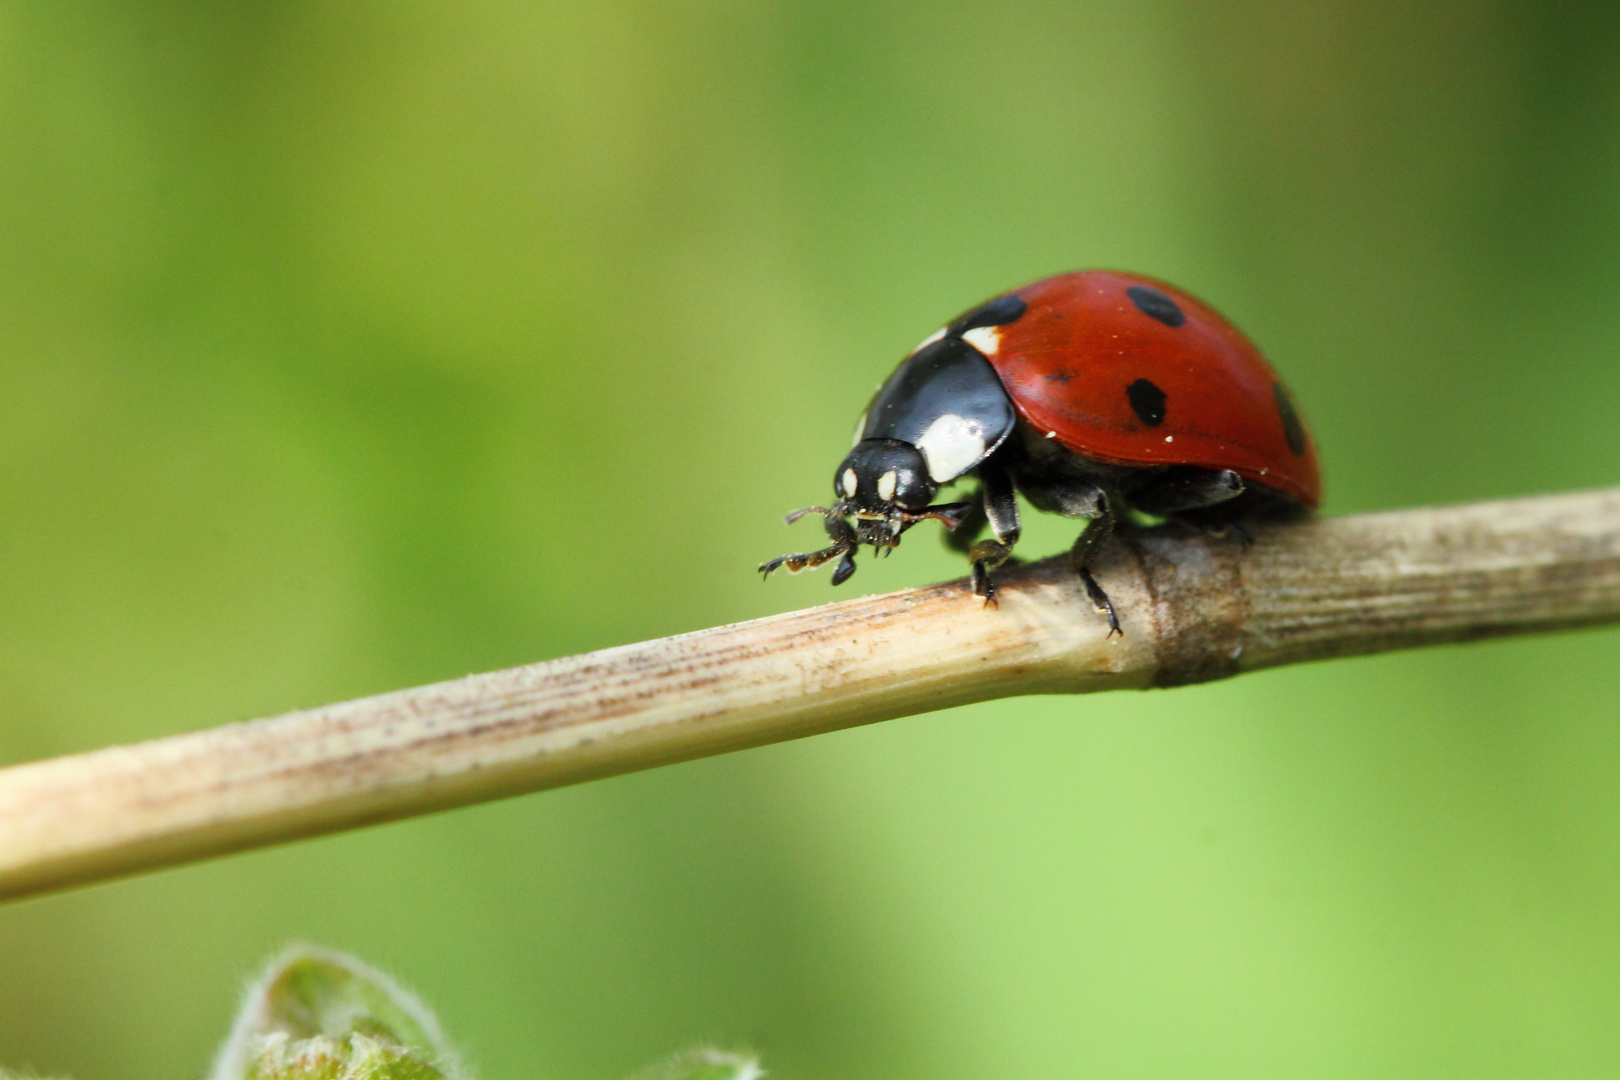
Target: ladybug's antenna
x: 822, y: 510
x: 949, y: 514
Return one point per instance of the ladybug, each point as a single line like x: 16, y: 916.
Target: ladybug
x: 1098, y: 395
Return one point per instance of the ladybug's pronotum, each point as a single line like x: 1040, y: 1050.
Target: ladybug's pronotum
x: 1097, y: 395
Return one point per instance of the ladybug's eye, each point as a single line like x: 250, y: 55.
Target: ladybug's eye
x: 911, y: 490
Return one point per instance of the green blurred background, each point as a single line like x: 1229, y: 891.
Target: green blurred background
x: 349, y: 346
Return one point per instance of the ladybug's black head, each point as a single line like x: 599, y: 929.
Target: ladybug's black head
x: 882, y: 474
x: 881, y: 483
x: 884, y: 485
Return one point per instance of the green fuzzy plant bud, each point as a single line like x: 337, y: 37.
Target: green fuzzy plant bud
x: 320, y: 1015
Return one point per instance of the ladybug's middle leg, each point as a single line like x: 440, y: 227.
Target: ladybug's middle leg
x: 1074, y: 497
x: 1001, y: 510
x: 1086, y: 546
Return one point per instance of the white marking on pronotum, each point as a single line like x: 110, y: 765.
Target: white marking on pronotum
x: 952, y: 445
x: 886, y: 484
x: 849, y: 483
x: 1051, y: 434
x: 929, y: 340
x: 860, y: 429
x: 987, y: 339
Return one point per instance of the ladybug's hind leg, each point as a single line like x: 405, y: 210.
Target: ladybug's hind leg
x: 1182, y: 491
x: 1000, y: 504
x: 1183, y: 496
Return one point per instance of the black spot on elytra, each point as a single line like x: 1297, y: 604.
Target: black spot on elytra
x: 1060, y: 377
x: 1155, y: 305
x: 1148, y: 401
x: 1293, y: 430
x: 998, y: 312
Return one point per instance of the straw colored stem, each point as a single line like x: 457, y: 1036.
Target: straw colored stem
x: 1193, y: 608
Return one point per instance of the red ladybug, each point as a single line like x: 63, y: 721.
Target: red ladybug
x: 1094, y: 394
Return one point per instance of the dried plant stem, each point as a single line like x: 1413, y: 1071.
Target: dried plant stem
x: 1193, y: 608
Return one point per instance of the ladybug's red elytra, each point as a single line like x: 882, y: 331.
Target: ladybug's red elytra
x: 1093, y: 394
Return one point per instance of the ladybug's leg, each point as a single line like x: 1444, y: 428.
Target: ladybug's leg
x: 1182, y: 493
x: 1085, y: 548
x: 1001, y: 511
x: 969, y: 526
x: 1240, y: 534
x: 843, y: 537
x: 1076, y: 498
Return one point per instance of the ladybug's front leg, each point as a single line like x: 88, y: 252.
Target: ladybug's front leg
x: 970, y: 525
x: 844, y: 544
x: 1001, y: 511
